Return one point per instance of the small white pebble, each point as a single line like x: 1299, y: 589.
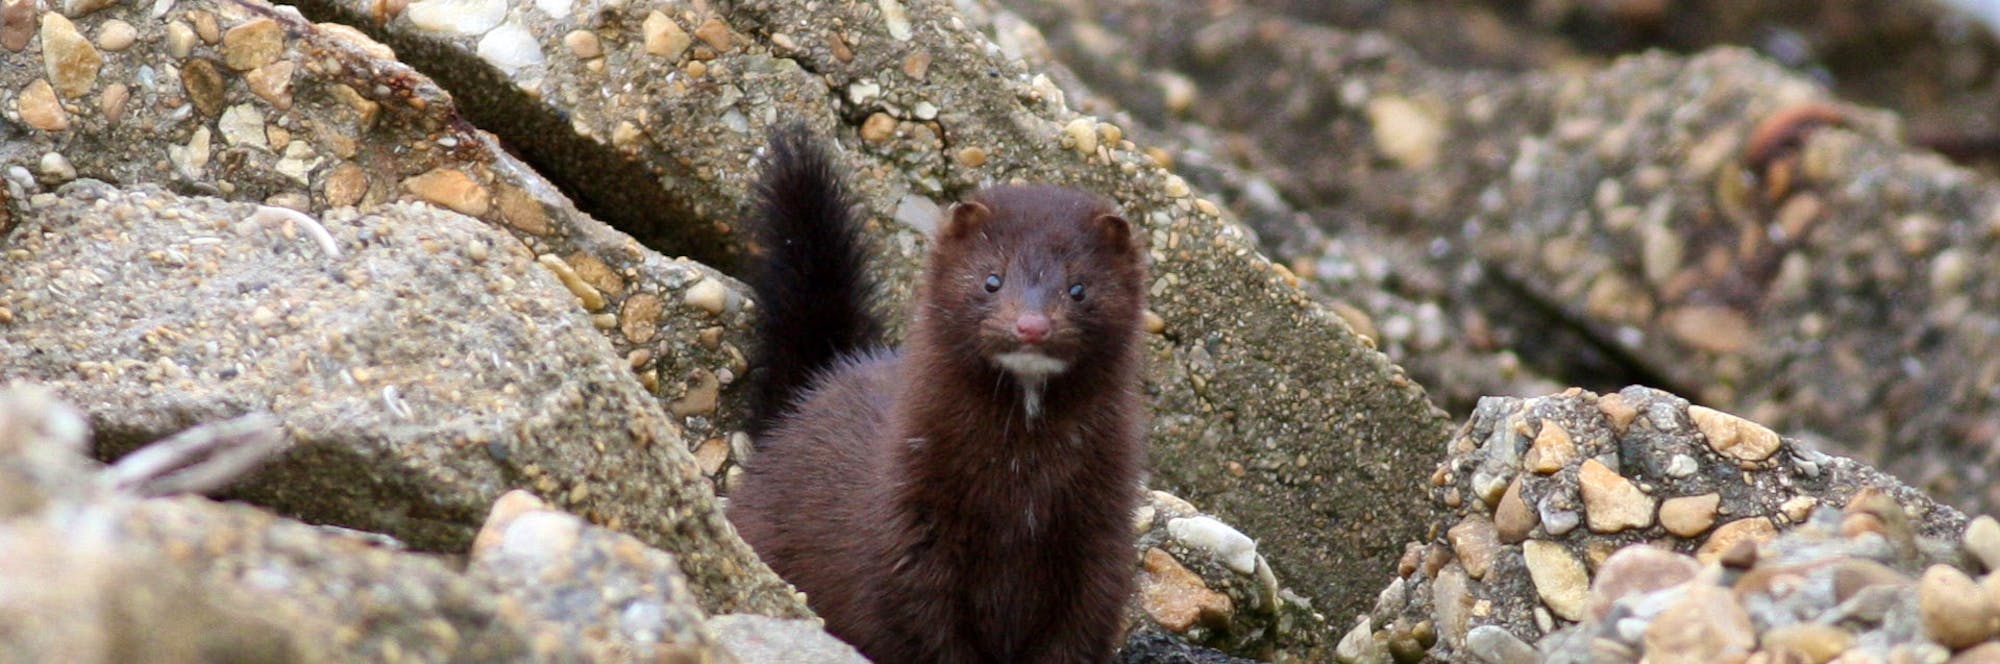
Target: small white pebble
x: 1236, y: 550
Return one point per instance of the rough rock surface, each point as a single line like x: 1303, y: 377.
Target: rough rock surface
x: 1546, y: 561
x: 155, y: 312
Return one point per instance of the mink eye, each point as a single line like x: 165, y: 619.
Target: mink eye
x: 992, y: 283
x: 1076, y: 291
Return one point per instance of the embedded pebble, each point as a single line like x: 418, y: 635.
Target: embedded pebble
x: 180, y: 39
x: 204, y: 86
x: 1982, y: 540
x: 111, y: 102
x: 1955, y: 612
x: 1175, y: 597
x: 116, y: 35
x: 510, y: 48
x: 253, y: 44
x: 1688, y: 516
x: 1474, y: 541
x: 555, y: 8
x: 39, y: 107
x: 1493, y: 644
x: 1754, y: 529
x: 707, y: 295
x: 879, y: 127
x: 1512, y: 517
x: 1704, y: 625
x: 451, y: 188
x: 1560, y: 579
x: 243, y: 125
x: 57, y: 168
x: 583, y: 44
x: 1236, y: 551
x: 1636, y: 570
x: 1552, y: 449
x: 1734, y: 436
x: 68, y: 58
x: 664, y: 36
x: 714, y: 33
x: 1081, y: 135
x: 1405, y: 131
x: 272, y: 83
x: 1814, y: 642
x: 1715, y: 329
x: 1612, y: 503
x: 639, y: 317
x: 456, y: 17
x: 895, y: 18
x: 356, y: 38
x: 17, y: 24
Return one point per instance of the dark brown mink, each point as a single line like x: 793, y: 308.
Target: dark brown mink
x: 966, y: 498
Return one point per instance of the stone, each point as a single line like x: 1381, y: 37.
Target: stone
x: 1815, y: 643
x: 1405, y: 132
x: 1560, y: 579
x: 456, y: 17
x: 1230, y: 546
x: 1551, y: 450
x: 272, y: 83
x: 707, y: 295
x: 252, y: 44
x: 1513, y: 518
x: 39, y: 107
x: 1982, y: 540
x: 1493, y: 644
x: 715, y: 34
x: 1954, y: 610
x: 1853, y: 575
x: 1754, y: 529
x: 755, y: 638
x: 451, y: 188
x: 1636, y: 570
x: 204, y: 86
x: 115, y: 35
x: 67, y: 56
x: 1175, y: 597
x: 1733, y: 436
x: 664, y: 36
x: 1612, y: 503
x: 1474, y: 541
x: 1704, y: 625
x: 1689, y: 516
x: 510, y: 48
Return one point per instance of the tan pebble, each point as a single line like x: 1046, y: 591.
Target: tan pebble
x: 1813, y: 643
x: 972, y: 156
x: 1513, y: 519
x: 451, y: 188
x: 1176, y: 598
x: 592, y: 299
x: 505, y: 510
x: 710, y: 455
x: 1152, y: 322
x: 17, y: 24
x: 1734, y: 436
x: 204, y: 86
x: 111, y: 102
x: 355, y: 37
x: 1553, y: 449
x: 1081, y: 135
x: 1689, y: 516
x: 639, y: 318
x: 1636, y: 570
x: 701, y: 396
x: 116, y: 35
x: 715, y: 34
x: 878, y: 128
x: 1797, y: 508
x: 68, y: 58
x: 346, y: 185
x: 205, y: 26
x: 841, y: 51
x: 523, y: 212
x: 596, y: 273
x: 583, y: 44
x: 707, y: 295
x: 1617, y: 412
x: 664, y: 36
x: 1109, y: 134
x: 253, y: 44
x: 1954, y: 610
x: 1175, y: 187
x: 1754, y: 530
x: 39, y: 107
x: 272, y: 83
x: 1560, y: 579
x: 180, y: 39
x: 918, y: 65
x: 1612, y: 503
x: 1474, y: 542
x: 1704, y: 625
x: 1982, y: 540
x: 1715, y: 329
x: 1405, y: 131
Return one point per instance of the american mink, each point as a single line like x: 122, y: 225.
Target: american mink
x: 968, y: 497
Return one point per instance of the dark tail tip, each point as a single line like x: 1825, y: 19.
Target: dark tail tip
x: 812, y: 289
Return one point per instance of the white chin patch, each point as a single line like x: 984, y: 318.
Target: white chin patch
x: 1030, y: 366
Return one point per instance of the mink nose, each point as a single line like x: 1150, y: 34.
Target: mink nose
x: 1031, y: 328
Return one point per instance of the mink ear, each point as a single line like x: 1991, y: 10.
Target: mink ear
x: 1113, y: 230
x: 966, y: 217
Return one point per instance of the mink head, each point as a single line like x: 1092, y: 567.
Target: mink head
x: 1035, y: 281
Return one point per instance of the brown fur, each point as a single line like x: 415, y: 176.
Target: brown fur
x: 914, y: 499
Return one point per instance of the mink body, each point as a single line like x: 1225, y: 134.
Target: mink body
x: 966, y: 498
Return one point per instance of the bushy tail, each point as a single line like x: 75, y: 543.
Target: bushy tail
x: 812, y: 292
